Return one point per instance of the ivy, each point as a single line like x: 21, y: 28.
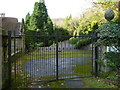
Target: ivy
x: 109, y: 34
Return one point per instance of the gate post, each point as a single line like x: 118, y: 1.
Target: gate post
x: 96, y: 57
x: 56, y: 56
x: 9, y: 58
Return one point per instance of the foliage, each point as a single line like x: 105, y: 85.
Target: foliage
x: 98, y: 83
x: 109, y: 35
x: 23, y: 26
x: 61, y: 33
x: 29, y: 40
x: 83, y: 42
x: 38, y: 23
x: 86, y: 24
x: 27, y: 22
x: 71, y: 24
x: 74, y: 40
x: 113, y: 59
x: 105, y: 4
x: 87, y: 28
x: 78, y: 42
x: 39, y: 17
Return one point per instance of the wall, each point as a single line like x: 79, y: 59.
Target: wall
x: 9, y: 24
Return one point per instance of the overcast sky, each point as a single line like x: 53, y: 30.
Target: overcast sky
x: 56, y: 8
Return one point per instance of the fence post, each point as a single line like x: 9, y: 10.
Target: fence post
x: 9, y: 58
x: 56, y: 56
x: 96, y: 57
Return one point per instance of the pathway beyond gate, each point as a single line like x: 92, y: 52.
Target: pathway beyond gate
x: 45, y: 68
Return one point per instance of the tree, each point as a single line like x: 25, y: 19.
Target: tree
x: 23, y: 26
x: 38, y: 23
x: 40, y: 18
x: 27, y: 21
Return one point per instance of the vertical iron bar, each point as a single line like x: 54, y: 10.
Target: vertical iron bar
x: 92, y: 55
x: 56, y: 56
x: 15, y: 55
x: 96, y: 57
x: 9, y: 58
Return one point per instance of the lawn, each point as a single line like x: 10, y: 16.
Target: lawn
x: 36, y: 54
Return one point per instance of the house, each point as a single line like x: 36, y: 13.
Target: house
x: 11, y: 24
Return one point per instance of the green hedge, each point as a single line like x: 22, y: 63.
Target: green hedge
x: 80, y: 41
x: 73, y: 40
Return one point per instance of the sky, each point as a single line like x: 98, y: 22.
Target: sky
x: 56, y: 8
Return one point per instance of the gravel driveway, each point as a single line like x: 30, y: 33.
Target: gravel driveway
x: 47, y: 67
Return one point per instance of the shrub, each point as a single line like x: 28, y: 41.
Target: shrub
x: 73, y: 40
x: 82, y: 42
x: 113, y: 59
x: 62, y: 34
x: 78, y: 42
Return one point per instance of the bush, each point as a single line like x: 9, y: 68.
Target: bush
x: 62, y: 34
x: 113, y: 58
x: 78, y: 42
x: 41, y: 44
x: 73, y: 40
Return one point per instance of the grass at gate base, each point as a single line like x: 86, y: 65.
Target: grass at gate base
x: 97, y: 83
x: 92, y: 82
x: 56, y: 84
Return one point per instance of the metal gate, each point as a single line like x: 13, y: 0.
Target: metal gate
x: 35, y: 58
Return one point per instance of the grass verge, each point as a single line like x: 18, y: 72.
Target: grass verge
x: 56, y: 84
x: 97, y: 83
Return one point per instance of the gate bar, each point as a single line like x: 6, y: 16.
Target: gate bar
x: 9, y: 58
x: 96, y: 57
x: 15, y: 55
x: 56, y: 56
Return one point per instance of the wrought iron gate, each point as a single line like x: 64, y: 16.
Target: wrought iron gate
x: 45, y: 58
